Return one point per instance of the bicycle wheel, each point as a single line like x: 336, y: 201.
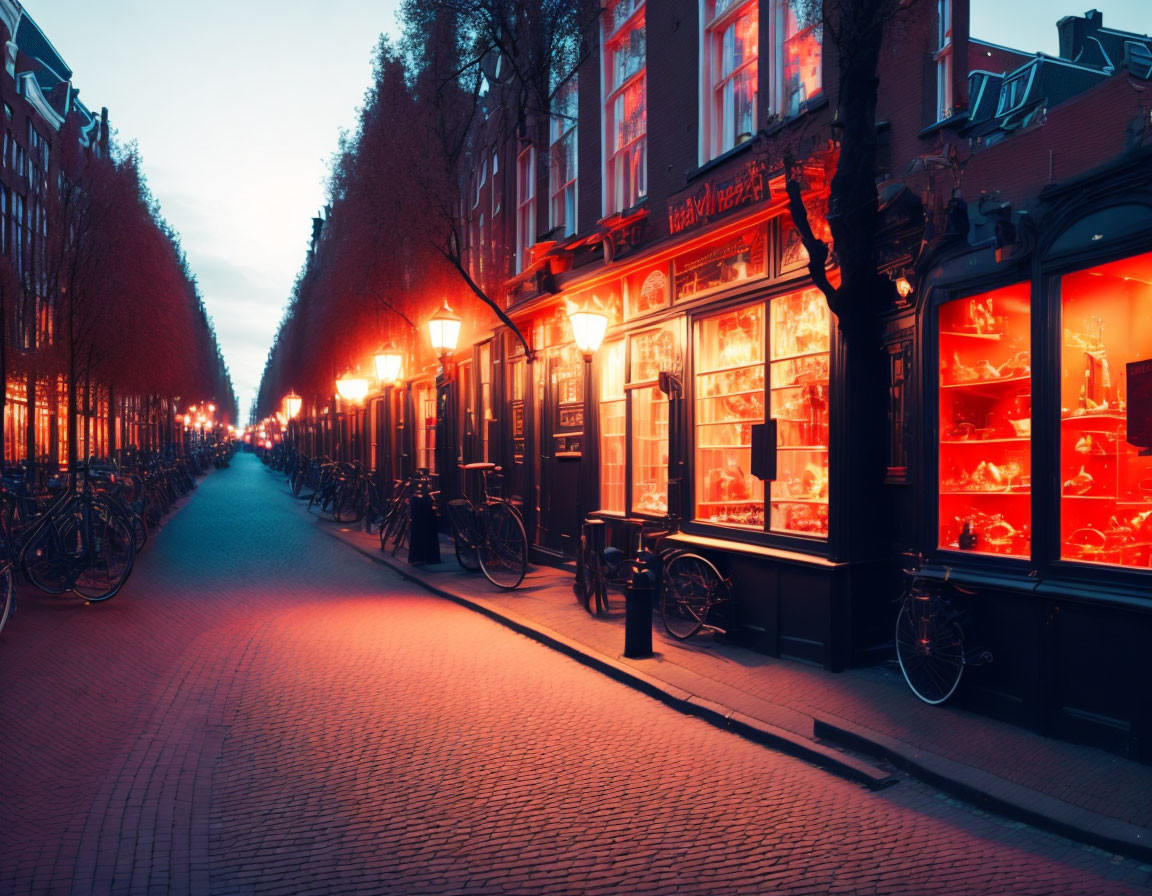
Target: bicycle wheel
x: 929, y: 647
x: 691, y: 587
x: 45, y: 563
x: 503, y: 549
x: 110, y: 551
x: 401, y: 526
x: 463, y: 534
x: 7, y: 593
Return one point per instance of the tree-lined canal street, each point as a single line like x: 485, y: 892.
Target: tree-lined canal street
x: 264, y: 710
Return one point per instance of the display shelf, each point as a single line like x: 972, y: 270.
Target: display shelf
x: 1006, y: 440
x: 730, y: 368
x: 734, y: 394
x: 820, y: 351
x: 738, y: 501
x: 823, y: 448
x: 974, y: 493
x: 822, y: 502
x: 989, y: 388
x: 989, y: 337
x: 1107, y: 415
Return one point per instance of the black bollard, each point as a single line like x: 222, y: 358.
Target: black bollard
x: 638, y: 615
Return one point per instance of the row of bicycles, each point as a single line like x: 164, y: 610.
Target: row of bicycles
x: 79, y: 534
x: 488, y: 531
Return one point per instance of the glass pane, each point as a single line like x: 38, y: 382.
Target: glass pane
x: 729, y: 400
x: 802, y: 77
x: 986, y: 423
x: 610, y: 361
x: 652, y: 352
x: 800, y: 340
x: 1106, y: 408
x: 649, y: 407
x: 628, y: 53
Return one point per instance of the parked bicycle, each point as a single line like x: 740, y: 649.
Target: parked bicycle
x: 396, y: 523
x: 930, y: 633
x: 691, y: 592
x: 488, y: 533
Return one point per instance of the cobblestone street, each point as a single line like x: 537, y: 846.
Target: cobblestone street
x: 264, y: 710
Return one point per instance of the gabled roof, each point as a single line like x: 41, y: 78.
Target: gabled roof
x: 32, y: 42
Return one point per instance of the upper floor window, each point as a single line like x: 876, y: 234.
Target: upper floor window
x: 625, y: 106
x: 796, y: 45
x: 525, y: 205
x: 495, y: 186
x: 481, y: 179
x: 731, y: 51
x: 944, y: 101
x: 562, y: 155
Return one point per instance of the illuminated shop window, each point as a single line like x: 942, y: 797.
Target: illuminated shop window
x: 798, y: 389
x: 562, y: 174
x: 525, y: 205
x: 797, y: 73
x: 986, y: 423
x: 731, y: 50
x: 729, y: 401
x: 612, y: 415
x: 1105, y: 413
x: 650, y: 353
x: 625, y: 106
x: 425, y: 401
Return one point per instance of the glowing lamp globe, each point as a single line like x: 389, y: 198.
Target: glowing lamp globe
x: 588, y: 328
x: 352, y: 387
x: 292, y: 405
x: 444, y: 330
x: 389, y: 363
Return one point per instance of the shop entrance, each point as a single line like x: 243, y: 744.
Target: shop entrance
x: 558, y: 381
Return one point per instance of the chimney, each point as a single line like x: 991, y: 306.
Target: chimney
x: 1073, y: 30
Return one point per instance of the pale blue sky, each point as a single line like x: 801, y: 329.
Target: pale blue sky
x: 237, y: 106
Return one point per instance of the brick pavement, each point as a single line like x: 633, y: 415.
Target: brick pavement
x: 263, y: 711
x: 1078, y: 791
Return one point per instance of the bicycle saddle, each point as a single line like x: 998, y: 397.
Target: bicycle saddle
x: 479, y: 466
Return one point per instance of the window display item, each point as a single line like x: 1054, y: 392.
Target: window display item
x: 1105, y: 481
x: 985, y: 448
x: 800, y: 341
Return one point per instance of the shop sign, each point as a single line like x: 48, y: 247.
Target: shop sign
x: 740, y: 258
x: 716, y: 198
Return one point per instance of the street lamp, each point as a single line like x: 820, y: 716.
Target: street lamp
x: 444, y: 330
x: 292, y: 405
x: 588, y: 328
x: 389, y: 363
x: 352, y: 387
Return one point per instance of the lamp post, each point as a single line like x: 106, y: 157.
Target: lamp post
x: 292, y: 404
x: 353, y: 388
x: 588, y: 329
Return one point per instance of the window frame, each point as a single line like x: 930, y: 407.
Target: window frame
x: 713, y: 140
x: 630, y: 193
x: 779, y: 36
x: 944, y: 58
x: 525, y: 204
x: 562, y: 128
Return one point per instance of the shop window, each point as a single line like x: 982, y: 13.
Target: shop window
x: 516, y: 393
x: 729, y: 401
x: 467, y: 406
x: 985, y: 423
x: 650, y: 353
x: 731, y: 51
x: 625, y: 106
x: 798, y: 371
x: 525, y: 206
x: 484, y: 379
x: 562, y: 153
x: 612, y: 415
x: 1106, y: 406
x: 798, y: 54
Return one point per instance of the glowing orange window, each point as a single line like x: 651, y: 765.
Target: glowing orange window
x: 985, y: 424
x: 1105, y: 413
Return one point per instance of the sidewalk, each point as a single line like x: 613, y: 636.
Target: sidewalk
x: 863, y: 724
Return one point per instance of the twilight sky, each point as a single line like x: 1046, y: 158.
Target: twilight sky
x: 237, y: 105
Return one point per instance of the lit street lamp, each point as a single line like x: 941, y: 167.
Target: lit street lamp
x: 352, y: 387
x: 588, y: 328
x: 444, y: 330
x: 389, y: 364
x: 292, y: 405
